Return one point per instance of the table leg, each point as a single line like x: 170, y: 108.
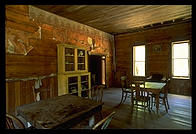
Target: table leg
x: 91, y: 121
x: 157, y: 102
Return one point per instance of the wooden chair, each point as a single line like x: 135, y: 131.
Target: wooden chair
x: 141, y: 97
x: 163, y: 96
x: 125, y: 89
x: 96, y: 95
x: 13, y: 122
x: 103, y: 124
x: 97, y: 92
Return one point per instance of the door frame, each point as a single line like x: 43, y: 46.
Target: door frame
x: 101, y: 55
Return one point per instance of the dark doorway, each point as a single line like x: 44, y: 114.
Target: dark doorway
x: 97, y: 68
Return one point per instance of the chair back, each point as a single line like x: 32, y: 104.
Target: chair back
x: 123, y: 80
x: 103, y: 124
x: 166, y: 88
x: 97, y: 92
x: 13, y: 122
x: 139, y: 88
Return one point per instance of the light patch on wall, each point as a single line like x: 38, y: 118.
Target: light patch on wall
x: 10, y: 47
x: 41, y: 16
x: 31, y: 78
x: 18, y: 41
x: 39, y: 31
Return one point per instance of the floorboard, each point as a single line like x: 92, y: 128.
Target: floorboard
x: 179, y: 116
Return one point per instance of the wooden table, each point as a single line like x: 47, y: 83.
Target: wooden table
x: 60, y: 112
x: 155, y: 88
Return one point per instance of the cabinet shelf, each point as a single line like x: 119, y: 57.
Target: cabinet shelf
x: 73, y: 83
x: 73, y: 92
x: 69, y: 55
x: 85, y: 89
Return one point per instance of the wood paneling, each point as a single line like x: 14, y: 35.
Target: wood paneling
x: 28, y: 66
x: 120, y: 18
x: 21, y: 92
x: 23, y: 69
x: 155, y: 62
x: 17, y: 17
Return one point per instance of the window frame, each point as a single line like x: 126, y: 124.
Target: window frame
x: 172, y: 59
x: 133, y: 61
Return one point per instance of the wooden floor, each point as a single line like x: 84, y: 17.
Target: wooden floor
x: 178, y: 117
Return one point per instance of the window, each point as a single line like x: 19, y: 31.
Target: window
x: 180, y: 59
x: 139, y: 60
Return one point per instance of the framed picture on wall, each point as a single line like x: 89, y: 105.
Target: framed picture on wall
x: 157, y: 48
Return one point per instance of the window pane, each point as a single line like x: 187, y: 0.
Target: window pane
x: 181, y: 50
x: 139, y: 53
x: 139, y: 69
x: 181, y: 67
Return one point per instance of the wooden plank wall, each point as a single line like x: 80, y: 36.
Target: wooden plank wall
x: 21, y: 92
x: 155, y: 62
x: 35, y: 54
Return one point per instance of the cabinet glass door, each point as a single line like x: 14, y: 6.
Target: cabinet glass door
x: 69, y: 59
x: 73, y: 85
x: 81, y: 59
x: 85, y: 86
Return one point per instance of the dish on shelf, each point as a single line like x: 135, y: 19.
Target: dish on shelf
x: 81, y: 53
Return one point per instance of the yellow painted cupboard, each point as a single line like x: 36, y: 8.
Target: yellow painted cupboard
x: 73, y: 75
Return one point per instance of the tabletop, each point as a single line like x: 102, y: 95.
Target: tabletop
x: 151, y: 85
x: 154, y: 85
x: 59, y: 112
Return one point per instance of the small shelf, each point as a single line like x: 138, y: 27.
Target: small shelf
x: 69, y: 55
x: 69, y: 63
x: 73, y: 92
x: 84, y: 81
x: 73, y: 83
x: 85, y: 89
x: 81, y: 56
x: 81, y: 63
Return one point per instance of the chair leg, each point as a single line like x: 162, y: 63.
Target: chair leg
x: 151, y: 102
x: 122, y: 97
x: 167, y: 102
x: 165, y: 105
x: 149, y: 105
x: 125, y: 97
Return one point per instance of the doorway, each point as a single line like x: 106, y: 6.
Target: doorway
x: 97, y: 67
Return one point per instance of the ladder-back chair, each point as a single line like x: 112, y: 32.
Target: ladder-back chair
x: 141, y: 96
x: 13, y: 122
x: 125, y: 88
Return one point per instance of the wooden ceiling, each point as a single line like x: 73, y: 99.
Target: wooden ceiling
x: 116, y: 19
